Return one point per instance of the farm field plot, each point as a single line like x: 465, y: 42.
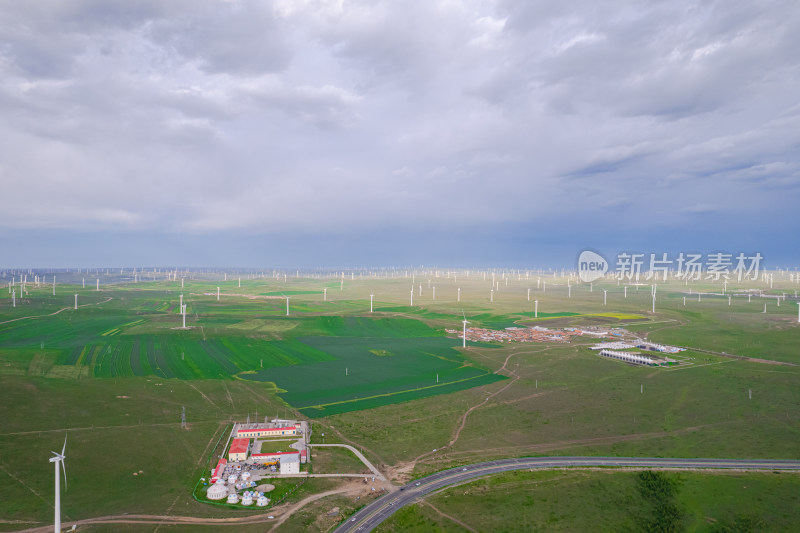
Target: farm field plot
x: 368, y: 372
x: 388, y: 358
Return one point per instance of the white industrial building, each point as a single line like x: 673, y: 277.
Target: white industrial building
x: 290, y: 463
x: 632, y: 358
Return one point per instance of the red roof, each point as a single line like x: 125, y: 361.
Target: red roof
x: 273, y: 453
x: 220, y: 466
x: 287, y: 428
x: 239, y: 446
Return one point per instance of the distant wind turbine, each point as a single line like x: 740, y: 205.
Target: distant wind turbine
x: 464, y: 322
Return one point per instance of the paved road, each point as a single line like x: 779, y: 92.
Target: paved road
x: 370, y: 516
x: 364, y: 460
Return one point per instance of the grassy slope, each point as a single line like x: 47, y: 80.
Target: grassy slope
x: 606, y: 501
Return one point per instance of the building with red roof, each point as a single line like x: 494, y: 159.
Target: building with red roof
x: 219, y: 469
x: 239, y: 449
x: 255, y: 432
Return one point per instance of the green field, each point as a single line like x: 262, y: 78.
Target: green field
x: 115, y: 373
x: 356, y: 378
x: 230, y: 341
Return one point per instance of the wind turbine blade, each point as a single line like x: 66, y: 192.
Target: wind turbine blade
x: 65, y: 445
x: 64, y: 470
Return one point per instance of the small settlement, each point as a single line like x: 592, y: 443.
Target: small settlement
x: 257, y: 451
x: 617, y: 349
x: 532, y: 334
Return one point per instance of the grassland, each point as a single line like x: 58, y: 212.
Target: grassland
x: 115, y: 373
x: 597, y: 500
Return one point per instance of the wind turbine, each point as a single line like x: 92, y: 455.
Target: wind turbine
x: 464, y: 322
x: 56, y: 459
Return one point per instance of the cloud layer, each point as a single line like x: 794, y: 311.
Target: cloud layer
x: 334, y: 118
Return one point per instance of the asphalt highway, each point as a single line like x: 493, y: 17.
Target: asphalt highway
x: 372, y: 515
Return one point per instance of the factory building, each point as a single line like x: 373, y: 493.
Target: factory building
x: 238, y: 451
x: 269, y: 457
x: 254, y: 431
x: 632, y: 358
x: 290, y: 463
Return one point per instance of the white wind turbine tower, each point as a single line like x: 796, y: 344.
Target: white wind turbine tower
x: 370, y: 301
x: 464, y: 322
x: 56, y: 459
x: 287, y: 306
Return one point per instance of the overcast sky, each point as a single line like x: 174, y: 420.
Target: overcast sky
x: 230, y: 133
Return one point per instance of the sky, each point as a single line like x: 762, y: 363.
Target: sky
x: 307, y: 133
